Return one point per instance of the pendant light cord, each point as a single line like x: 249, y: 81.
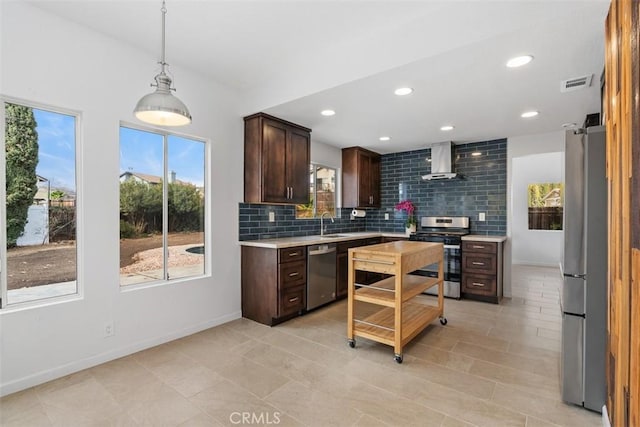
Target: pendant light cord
x: 164, y: 14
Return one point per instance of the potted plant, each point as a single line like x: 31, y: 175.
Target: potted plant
x: 409, y: 208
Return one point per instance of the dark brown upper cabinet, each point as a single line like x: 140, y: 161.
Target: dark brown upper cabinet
x: 276, y: 160
x: 360, y: 178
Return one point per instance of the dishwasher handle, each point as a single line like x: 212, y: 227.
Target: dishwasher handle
x: 322, y: 251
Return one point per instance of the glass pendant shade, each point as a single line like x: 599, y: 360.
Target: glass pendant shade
x: 161, y: 107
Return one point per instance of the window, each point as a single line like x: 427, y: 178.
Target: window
x: 322, y: 193
x: 39, y: 204
x: 162, y: 206
x: 545, y: 206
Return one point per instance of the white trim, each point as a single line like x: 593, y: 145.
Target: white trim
x: 78, y: 365
x: 78, y: 152
x: 165, y: 134
x: 605, y: 417
x: 3, y: 212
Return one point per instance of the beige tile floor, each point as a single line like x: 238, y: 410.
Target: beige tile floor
x: 491, y: 365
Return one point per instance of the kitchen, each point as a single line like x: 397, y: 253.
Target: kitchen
x: 176, y: 310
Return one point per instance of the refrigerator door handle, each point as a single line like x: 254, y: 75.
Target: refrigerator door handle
x: 576, y: 276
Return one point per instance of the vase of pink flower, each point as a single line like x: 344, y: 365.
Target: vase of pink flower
x: 411, y: 223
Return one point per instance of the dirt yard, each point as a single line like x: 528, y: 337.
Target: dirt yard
x: 56, y: 262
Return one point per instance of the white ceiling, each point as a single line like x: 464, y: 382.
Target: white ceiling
x: 293, y: 59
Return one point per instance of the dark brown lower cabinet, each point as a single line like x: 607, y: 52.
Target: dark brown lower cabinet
x: 482, y: 271
x: 273, y: 283
x: 342, y: 265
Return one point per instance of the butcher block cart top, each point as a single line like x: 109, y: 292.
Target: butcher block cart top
x: 400, y: 317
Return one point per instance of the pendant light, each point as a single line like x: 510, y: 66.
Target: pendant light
x: 161, y: 107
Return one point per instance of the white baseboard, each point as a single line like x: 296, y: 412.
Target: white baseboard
x: 79, y: 365
x: 605, y: 417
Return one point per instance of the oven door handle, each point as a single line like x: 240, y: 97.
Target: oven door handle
x: 452, y: 246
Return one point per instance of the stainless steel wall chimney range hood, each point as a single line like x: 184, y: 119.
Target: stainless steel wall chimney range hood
x: 441, y: 162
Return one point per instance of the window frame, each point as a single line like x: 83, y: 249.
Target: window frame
x: 5, y: 306
x: 337, y: 192
x: 165, y: 133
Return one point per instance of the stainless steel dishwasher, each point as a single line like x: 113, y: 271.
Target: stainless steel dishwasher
x: 321, y: 274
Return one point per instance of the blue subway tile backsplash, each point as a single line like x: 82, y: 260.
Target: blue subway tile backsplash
x: 483, y: 189
x: 255, y: 225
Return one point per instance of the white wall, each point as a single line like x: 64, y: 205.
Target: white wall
x: 59, y: 63
x: 326, y: 155
x: 519, y: 147
x: 534, y: 247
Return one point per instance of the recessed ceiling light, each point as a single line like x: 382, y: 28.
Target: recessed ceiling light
x: 529, y: 114
x: 519, y: 61
x: 328, y: 113
x: 402, y: 91
x: 476, y: 154
x: 446, y: 128
x: 385, y: 138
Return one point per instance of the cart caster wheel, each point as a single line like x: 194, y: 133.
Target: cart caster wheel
x: 398, y: 358
x: 352, y: 343
x: 443, y: 320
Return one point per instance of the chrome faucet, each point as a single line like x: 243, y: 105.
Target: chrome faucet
x: 322, y: 230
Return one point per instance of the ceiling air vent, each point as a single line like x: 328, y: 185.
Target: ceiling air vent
x: 575, y: 83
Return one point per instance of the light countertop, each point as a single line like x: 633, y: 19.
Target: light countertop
x: 484, y: 238
x: 288, y: 242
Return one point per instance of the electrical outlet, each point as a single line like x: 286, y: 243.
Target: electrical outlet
x: 272, y: 216
x: 108, y: 329
x: 481, y: 216
x: 386, y: 217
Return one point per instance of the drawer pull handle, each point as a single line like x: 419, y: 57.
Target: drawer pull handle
x: 294, y: 254
x: 477, y: 263
x: 294, y: 299
x: 478, y: 247
x: 481, y: 285
x: 293, y: 274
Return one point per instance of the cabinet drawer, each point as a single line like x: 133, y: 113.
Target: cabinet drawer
x: 485, y: 247
x: 479, y: 263
x: 292, y: 301
x: 292, y: 274
x: 479, y: 285
x: 292, y: 254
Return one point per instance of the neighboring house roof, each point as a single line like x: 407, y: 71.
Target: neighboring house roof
x: 553, y: 198
x: 151, y: 179
x: 555, y: 193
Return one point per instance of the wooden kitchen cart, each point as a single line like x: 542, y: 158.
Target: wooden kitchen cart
x: 400, y: 317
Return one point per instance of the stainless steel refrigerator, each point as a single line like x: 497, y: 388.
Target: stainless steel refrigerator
x: 584, y: 267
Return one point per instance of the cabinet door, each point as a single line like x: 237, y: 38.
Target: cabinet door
x: 375, y: 181
x: 364, y: 179
x: 342, y: 275
x: 298, y: 166
x: 274, y: 156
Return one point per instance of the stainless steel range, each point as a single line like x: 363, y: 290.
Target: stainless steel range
x: 449, y: 231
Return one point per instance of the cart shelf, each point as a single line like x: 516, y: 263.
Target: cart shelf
x: 400, y: 318
x: 379, y: 326
x: 383, y: 292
